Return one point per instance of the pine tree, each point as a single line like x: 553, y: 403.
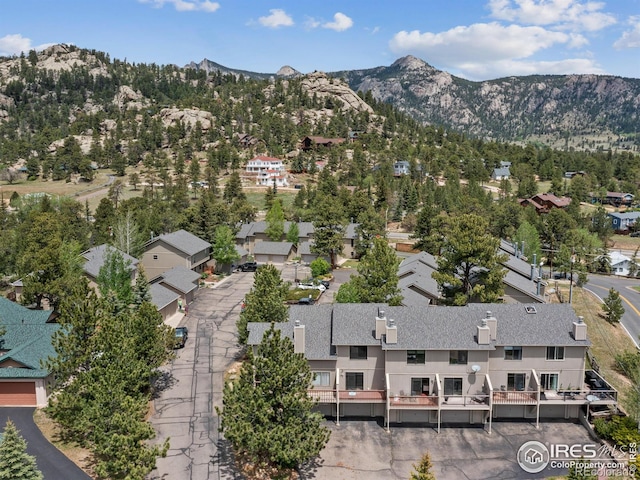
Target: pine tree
x: 612, y: 306
x: 265, y: 301
x: 15, y: 462
x: 469, y: 266
x: 329, y: 229
x: 275, y: 221
x: 422, y: 471
x: 267, y: 413
x: 293, y: 234
x: 141, y: 292
x: 224, y: 250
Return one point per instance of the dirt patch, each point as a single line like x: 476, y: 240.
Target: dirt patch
x: 82, y: 457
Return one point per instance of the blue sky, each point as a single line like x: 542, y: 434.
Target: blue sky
x: 474, y: 39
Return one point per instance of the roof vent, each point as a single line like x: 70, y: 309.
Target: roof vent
x: 297, y: 323
x: 484, y: 322
x: 488, y: 314
x: 530, y: 309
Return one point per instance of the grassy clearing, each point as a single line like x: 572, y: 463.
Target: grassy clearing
x: 607, y: 340
x: 58, y: 187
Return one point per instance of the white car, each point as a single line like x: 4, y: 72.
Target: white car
x: 311, y: 286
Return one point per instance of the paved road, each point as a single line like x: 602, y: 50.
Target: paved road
x: 51, y: 462
x: 600, y: 285
x: 185, y: 410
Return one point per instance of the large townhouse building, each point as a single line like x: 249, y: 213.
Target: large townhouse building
x: 434, y: 365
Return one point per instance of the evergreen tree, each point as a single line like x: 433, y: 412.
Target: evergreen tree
x: 612, y: 306
x: 265, y: 301
x: 422, y: 471
x: 469, y: 266
x: 114, y: 279
x: 293, y: 234
x: 329, y: 230
x: 267, y: 413
x: 377, y: 279
x: 141, y: 292
x: 275, y: 222
x: 233, y: 188
x: 224, y: 248
x: 15, y: 462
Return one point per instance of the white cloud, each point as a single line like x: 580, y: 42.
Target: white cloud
x: 277, y: 18
x: 565, y: 14
x: 15, y: 44
x: 340, y: 23
x: 484, y: 50
x: 311, y: 23
x: 630, y: 38
x: 186, y: 5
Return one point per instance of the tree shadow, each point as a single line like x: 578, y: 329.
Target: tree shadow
x: 309, y: 469
x: 164, y: 380
x: 226, y: 461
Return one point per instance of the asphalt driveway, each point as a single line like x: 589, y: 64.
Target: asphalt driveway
x: 51, y: 462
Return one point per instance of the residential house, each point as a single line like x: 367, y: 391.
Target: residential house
x: 500, y: 173
x: 278, y: 253
x: 313, y: 142
x: 417, y: 286
x: 617, y: 199
x: 182, y: 281
x: 620, y: 264
x: 544, y: 202
x: 621, y: 221
x: 401, y: 168
x: 170, y: 250
x: 268, y: 171
x: 94, y: 259
x: 271, y: 178
x: 25, y: 345
x: 437, y: 365
x: 165, y: 300
x: 251, y: 234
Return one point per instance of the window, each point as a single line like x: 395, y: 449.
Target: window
x: 458, y: 357
x: 453, y: 386
x: 420, y: 386
x: 355, y: 380
x: 415, y: 357
x: 155, y: 257
x: 555, y: 353
x: 513, y: 353
x: 549, y: 381
x: 358, y: 353
x: 321, y: 379
x: 515, y: 381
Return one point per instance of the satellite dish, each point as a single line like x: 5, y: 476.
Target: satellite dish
x: 475, y: 368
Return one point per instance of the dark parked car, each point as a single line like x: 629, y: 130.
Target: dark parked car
x: 306, y: 301
x: 181, y: 335
x: 635, y: 234
x: 248, y: 267
x: 325, y: 283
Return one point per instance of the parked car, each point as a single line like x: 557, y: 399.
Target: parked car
x: 635, y: 234
x: 324, y: 283
x: 181, y: 335
x: 248, y: 267
x: 306, y: 301
x: 311, y: 286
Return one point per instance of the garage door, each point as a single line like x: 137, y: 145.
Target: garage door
x: 17, y: 393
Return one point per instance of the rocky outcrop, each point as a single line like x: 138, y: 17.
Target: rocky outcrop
x: 323, y: 86
x: 189, y: 117
x: 127, y: 99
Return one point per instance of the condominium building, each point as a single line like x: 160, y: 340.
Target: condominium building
x: 437, y: 365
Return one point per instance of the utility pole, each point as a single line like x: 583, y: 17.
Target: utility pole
x: 571, y: 276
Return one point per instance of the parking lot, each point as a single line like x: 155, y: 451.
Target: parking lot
x: 359, y: 449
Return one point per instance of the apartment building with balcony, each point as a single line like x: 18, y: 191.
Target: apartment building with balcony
x: 438, y: 365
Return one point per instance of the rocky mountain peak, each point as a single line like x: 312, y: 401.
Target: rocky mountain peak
x: 411, y: 63
x: 287, y: 71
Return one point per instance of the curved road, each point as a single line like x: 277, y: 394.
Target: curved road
x: 51, y: 462
x: 600, y: 285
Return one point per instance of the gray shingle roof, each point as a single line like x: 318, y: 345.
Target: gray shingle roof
x: 317, y: 322
x: 96, y: 256
x: 162, y: 296
x: 181, y: 278
x: 433, y: 328
x: 272, y: 248
x: 182, y: 240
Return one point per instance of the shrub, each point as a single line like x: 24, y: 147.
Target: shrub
x: 621, y: 430
x: 320, y: 267
x: 628, y: 363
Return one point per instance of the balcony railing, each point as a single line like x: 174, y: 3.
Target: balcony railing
x: 585, y: 395
x: 476, y: 400
x: 414, y: 401
x: 356, y: 396
x: 526, y: 397
x: 323, y: 396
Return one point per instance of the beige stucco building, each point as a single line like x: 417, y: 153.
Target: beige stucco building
x: 179, y: 248
x: 433, y: 365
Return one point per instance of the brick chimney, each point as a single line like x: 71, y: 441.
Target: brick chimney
x: 484, y: 333
x: 298, y: 338
x: 579, y: 329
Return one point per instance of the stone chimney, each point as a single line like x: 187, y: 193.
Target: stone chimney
x: 381, y: 324
x: 392, y: 332
x: 492, y: 323
x: 579, y: 330
x: 298, y: 338
x: 484, y: 333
